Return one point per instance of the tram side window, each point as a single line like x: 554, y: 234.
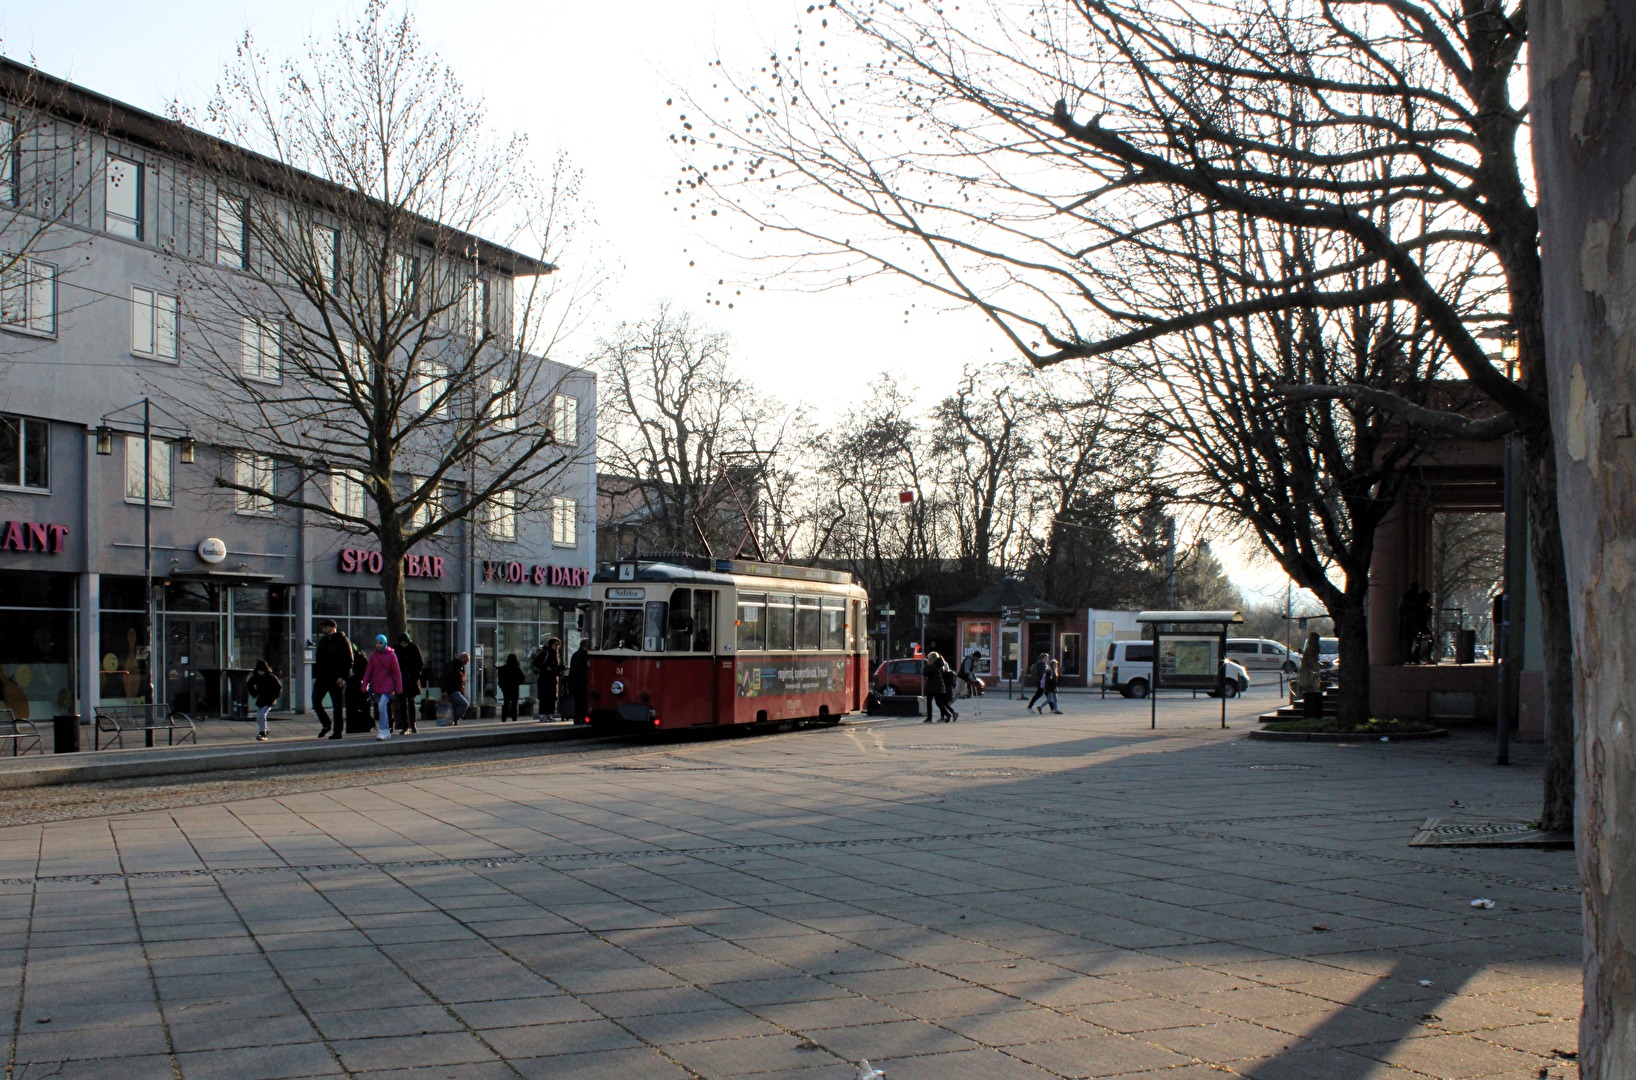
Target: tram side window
x: 621, y: 627
x: 679, y: 637
x: 808, y: 623
x: 780, y: 623
x: 704, y: 618
x: 834, y: 624
x: 752, y: 621
x: 654, y: 631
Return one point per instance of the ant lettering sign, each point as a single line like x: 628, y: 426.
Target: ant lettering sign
x: 32, y: 536
x: 516, y: 573
x: 361, y: 561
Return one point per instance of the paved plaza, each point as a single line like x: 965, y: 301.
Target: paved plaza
x: 1009, y: 896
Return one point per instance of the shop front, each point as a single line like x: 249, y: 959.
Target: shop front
x: 518, y: 608
x: 39, y: 624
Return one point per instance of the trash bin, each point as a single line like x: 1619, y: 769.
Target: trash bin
x: 65, y: 734
x: 1466, y: 647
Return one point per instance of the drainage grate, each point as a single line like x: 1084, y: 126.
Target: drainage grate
x: 1435, y: 832
x: 1280, y: 768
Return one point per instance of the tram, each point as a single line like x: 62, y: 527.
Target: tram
x: 683, y: 642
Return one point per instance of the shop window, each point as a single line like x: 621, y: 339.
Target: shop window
x: 37, y: 618
x: 1072, y: 646
x: 25, y: 453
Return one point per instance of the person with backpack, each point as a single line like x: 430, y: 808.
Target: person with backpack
x: 454, y: 687
x: 548, y: 671
x: 265, y: 688
x: 383, y: 678
x: 331, y: 664
x: 412, y: 662
x: 510, y: 679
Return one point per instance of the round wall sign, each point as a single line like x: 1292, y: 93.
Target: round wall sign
x: 212, y: 550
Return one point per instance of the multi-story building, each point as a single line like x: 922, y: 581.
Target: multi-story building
x: 117, y: 227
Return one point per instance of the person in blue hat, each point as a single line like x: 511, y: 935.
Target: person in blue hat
x: 382, y: 679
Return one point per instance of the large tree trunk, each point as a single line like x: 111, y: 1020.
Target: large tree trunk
x: 1556, y: 628
x: 397, y: 617
x: 1352, y: 628
x: 1583, y: 104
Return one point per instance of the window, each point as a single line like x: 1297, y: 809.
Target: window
x: 346, y: 493
x: 474, y: 307
x: 153, y: 324
x: 433, y: 507
x: 25, y: 453
x: 780, y: 623
x: 252, y: 471
x: 503, y: 405
x: 232, y: 245
x: 434, y: 384
x: 808, y: 623
x: 752, y: 621
x: 259, y: 356
x: 325, y: 254
x: 1071, y: 647
x: 834, y: 624
x: 8, y: 160
x: 158, y: 464
x: 356, y: 368
x: 500, y: 515
x: 123, y: 195
x: 565, y: 419
x: 405, y: 283
x: 564, y: 522
x: 28, y: 297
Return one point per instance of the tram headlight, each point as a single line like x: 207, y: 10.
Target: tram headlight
x: 617, y: 688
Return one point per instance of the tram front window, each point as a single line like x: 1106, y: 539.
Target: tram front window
x: 621, y: 627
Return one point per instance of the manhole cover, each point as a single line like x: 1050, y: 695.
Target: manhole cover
x: 1280, y: 768
x: 934, y: 746
x: 983, y: 774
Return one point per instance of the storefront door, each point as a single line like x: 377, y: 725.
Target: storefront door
x: 193, y: 664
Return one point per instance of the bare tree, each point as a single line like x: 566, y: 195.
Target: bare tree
x: 1014, y: 159
x: 1580, y: 94
x: 980, y: 435
x: 687, y: 443
x: 372, y: 335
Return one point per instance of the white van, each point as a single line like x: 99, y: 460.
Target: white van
x: 1262, y: 654
x: 1130, y: 670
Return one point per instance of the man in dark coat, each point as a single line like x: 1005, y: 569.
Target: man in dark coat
x: 412, y: 662
x: 579, y: 679
x: 331, y: 665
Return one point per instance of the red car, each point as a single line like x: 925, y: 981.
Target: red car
x: 894, y: 677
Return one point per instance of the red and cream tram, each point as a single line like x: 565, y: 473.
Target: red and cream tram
x: 688, y: 642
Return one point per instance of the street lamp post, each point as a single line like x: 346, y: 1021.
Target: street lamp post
x: 105, y: 446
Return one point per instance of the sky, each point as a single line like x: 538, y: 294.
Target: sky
x: 590, y: 79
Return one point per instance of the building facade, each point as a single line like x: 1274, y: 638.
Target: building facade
x: 103, y: 217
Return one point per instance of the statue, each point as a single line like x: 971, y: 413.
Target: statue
x: 1309, y: 678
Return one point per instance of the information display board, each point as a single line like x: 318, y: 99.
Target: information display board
x: 1189, y: 662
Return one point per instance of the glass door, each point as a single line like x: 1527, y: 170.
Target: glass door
x: 193, y: 666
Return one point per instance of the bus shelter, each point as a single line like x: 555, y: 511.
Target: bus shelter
x: 1189, y: 648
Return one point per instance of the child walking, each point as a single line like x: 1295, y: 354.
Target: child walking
x: 265, y: 688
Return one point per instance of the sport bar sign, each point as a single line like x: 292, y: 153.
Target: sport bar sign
x: 360, y: 561
x: 516, y: 573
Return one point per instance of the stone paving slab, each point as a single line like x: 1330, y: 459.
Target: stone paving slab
x: 1008, y: 896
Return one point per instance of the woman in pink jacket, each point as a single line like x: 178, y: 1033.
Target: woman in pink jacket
x: 383, y: 678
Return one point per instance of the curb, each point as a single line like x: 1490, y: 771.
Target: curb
x: 167, y: 762
x: 1354, y: 736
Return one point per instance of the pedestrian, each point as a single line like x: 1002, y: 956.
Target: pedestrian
x: 331, y: 664
x: 579, y: 679
x: 454, y: 687
x: 1038, y: 673
x: 510, y: 678
x: 359, y: 715
x: 265, y: 688
x: 412, y: 662
x: 1053, y: 675
x: 382, y: 679
x: 944, y: 689
x: 548, y: 669
x: 968, y: 674
x: 928, y: 683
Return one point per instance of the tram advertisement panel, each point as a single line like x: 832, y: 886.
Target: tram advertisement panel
x: 807, y: 675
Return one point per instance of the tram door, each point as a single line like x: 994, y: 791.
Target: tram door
x: 695, y: 685
x: 193, y: 663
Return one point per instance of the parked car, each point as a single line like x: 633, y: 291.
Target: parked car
x: 1329, y: 651
x: 1262, y: 654
x: 894, y: 677
x: 1130, y: 670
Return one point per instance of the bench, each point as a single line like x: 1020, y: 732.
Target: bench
x: 115, y: 720
x: 20, y: 732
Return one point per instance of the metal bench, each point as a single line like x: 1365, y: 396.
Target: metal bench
x: 20, y: 732
x: 115, y: 720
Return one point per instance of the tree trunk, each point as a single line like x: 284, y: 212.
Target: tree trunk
x: 1352, y: 627
x: 1555, y: 626
x: 1583, y: 107
x: 397, y: 617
